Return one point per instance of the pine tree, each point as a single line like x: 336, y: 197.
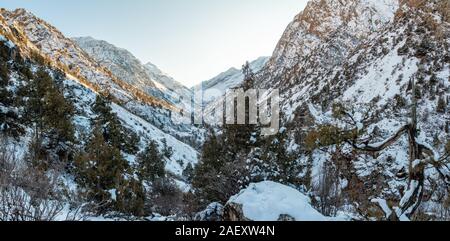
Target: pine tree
x: 447, y: 147
x: 188, y: 172
x: 214, y: 155
x: 223, y: 171
x: 442, y: 105
x: 167, y: 150
x: 131, y: 197
x: 220, y: 173
x: 111, y: 127
x: 113, y: 131
x: 99, y: 169
x: 242, y: 137
x: 8, y: 123
x: 4, y: 73
x: 51, y: 115
x: 57, y: 117
x: 151, y: 165
x: 279, y: 159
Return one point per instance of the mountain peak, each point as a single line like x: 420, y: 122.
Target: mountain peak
x: 320, y: 22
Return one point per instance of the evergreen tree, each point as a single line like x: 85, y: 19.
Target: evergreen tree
x: 151, y: 165
x: 223, y: 171
x: 48, y: 109
x: 218, y: 176
x: 113, y: 131
x: 188, y: 172
x: 277, y: 158
x: 242, y: 137
x: 100, y: 169
x: 9, y: 123
x: 51, y: 115
x: 167, y: 150
x: 214, y: 153
x: 442, y: 105
x: 131, y: 197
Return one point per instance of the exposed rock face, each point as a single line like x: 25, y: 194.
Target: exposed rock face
x: 120, y: 61
x: 127, y: 67
x: 344, y: 22
x: 233, y: 212
x: 285, y: 218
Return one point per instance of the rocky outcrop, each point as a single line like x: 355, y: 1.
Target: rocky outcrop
x: 321, y: 22
x: 234, y: 212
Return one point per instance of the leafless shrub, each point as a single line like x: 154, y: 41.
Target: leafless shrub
x: 327, y: 190
x: 26, y: 194
x: 165, y: 198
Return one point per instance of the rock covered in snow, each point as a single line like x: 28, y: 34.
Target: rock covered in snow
x: 214, y: 212
x: 270, y: 201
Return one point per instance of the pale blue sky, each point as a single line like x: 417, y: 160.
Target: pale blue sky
x: 192, y: 40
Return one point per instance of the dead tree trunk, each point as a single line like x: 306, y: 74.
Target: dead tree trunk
x: 414, y: 194
x: 412, y: 198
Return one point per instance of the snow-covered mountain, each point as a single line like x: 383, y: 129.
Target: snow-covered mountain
x: 34, y: 35
x: 229, y: 79
x: 341, y: 24
x: 173, y: 90
x: 127, y: 67
x: 120, y: 61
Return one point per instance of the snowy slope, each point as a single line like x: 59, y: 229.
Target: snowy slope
x: 183, y: 154
x: 174, y: 91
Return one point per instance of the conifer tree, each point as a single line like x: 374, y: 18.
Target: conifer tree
x: 8, y: 118
x: 278, y: 159
x: 47, y: 110
x: 442, y: 105
x: 113, y: 131
x: 131, y: 197
x: 218, y: 176
x: 222, y: 170
x: 151, y: 165
x: 241, y: 137
x: 100, y: 168
x: 188, y: 172
x: 167, y: 150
